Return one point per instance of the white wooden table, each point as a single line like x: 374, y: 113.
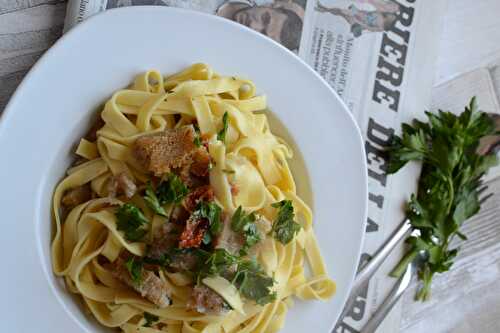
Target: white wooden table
x: 467, y: 299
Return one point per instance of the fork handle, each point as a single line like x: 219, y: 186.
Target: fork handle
x: 395, y: 294
x: 372, y: 266
x: 383, y: 252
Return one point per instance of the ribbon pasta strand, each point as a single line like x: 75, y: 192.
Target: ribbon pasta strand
x: 257, y: 161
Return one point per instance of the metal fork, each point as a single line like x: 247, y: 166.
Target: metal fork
x: 367, y: 271
x: 395, y: 294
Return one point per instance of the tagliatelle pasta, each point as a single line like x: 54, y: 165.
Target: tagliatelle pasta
x: 248, y: 173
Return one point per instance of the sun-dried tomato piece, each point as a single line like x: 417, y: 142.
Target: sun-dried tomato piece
x: 202, y: 193
x: 193, y: 234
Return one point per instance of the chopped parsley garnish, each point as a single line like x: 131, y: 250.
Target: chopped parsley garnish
x: 163, y: 260
x: 217, y: 263
x: 245, y: 225
x: 175, y: 255
x: 246, y: 275
x: 150, y: 319
x: 171, y: 190
x: 212, y: 212
x: 152, y: 201
x: 448, y: 186
x: 253, y: 282
x: 131, y: 221
x: 225, y: 123
x: 197, y: 141
x: 284, y: 226
x: 134, y: 268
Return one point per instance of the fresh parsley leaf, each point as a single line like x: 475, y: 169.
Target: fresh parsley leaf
x: 447, y: 193
x: 135, y: 235
x: 134, y: 268
x: 152, y: 201
x: 174, y: 256
x: 240, y: 219
x: 253, y: 282
x: 197, y: 141
x: 212, y: 212
x: 225, y: 123
x: 150, y: 319
x: 245, y: 225
x: 217, y: 263
x: 284, y: 226
x: 246, y: 275
x: 131, y: 220
x: 172, y: 190
x: 197, y: 133
x: 163, y: 260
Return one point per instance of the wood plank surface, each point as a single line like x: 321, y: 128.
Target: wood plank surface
x: 470, y: 37
x: 7, y: 6
x: 27, y: 29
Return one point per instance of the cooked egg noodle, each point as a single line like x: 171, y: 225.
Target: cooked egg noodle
x: 257, y: 160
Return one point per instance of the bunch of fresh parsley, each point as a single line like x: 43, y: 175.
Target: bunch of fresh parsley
x: 448, y: 187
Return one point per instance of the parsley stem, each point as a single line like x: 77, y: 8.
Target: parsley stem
x: 401, y: 267
x: 424, y: 292
x: 452, y: 194
x: 171, y: 212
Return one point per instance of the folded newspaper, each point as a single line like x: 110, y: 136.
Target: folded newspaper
x: 379, y: 56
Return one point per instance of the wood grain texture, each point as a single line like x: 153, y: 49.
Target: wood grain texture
x: 7, y: 6
x: 470, y: 37
x: 25, y: 34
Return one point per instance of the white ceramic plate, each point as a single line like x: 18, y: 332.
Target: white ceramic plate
x: 52, y: 108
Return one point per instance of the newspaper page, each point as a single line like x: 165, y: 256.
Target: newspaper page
x: 379, y: 56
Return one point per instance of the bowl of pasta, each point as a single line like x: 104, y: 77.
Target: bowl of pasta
x: 178, y: 172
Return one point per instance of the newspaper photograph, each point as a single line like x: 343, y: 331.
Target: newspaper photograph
x: 379, y: 56
x: 281, y: 20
